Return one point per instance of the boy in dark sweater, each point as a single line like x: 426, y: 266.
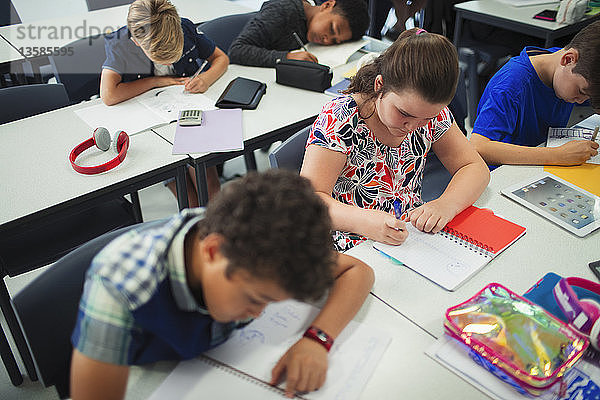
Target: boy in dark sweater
x: 268, y: 36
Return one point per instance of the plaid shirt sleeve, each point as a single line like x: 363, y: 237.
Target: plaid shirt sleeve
x: 104, y: 325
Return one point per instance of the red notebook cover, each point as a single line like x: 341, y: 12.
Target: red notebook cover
x: 483, y: 228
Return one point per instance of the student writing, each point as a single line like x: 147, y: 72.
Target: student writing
x: 534, y: 91
x: 369, y: 147
x: 269, y: 36
x: 173, y: 292
x: 158, y: 48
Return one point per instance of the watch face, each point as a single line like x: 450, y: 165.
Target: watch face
x: 322, y: 336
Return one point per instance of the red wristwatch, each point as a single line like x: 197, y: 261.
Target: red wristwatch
x: 318, y: 335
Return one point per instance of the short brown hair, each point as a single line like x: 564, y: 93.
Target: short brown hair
x: 275, y: 227
x: 424, y: 62
x: 156, y: 26
x: 587, y: 44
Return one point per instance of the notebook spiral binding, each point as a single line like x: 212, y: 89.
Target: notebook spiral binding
x: 467, y: 242
x: 241, y: 374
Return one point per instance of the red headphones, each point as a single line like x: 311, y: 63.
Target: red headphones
x: 119, y: 141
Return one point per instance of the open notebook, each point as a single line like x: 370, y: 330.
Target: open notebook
x: 154, y: 108
x: 463, y: 247
x: 241, y: 367
x: 559, y: 136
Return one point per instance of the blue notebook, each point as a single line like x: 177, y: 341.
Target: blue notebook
x: 336, y: 89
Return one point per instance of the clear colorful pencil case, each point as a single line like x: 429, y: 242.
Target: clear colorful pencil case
x: 515, y: 339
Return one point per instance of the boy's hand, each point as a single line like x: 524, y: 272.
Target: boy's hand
x: 576, y: 152
x: 305, y: 365
x: 196, y: 85
x: 162, y: 81
x: 301, y: 55
x: 385, y: 228
x: 432, y: 216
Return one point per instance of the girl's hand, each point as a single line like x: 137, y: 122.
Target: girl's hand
x: 432, y: 216
x: 385, y: 228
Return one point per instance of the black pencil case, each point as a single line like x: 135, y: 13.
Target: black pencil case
x: 303, y: 74
x: 242, y: 93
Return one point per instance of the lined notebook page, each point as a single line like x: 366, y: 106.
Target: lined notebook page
x: 440, y: 257
x: 256, y: 348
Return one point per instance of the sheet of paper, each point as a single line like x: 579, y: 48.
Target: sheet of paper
x: 256, y: 348
x: 130, y: 116
x: 156, y: 107
x: 335, y: 55
x: 221, y: 130
x: 168, y: 101
x: 453, y: 356
x: 559, y: 136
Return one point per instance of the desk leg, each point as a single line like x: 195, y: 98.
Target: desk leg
x: 549, y: 40
x: 181, y: 184
x: 16, y: 332
x: 200, y: 169
x: 250, y: 160
x: 9, y: 361
x: 457, y: 28
x: 137, y: 209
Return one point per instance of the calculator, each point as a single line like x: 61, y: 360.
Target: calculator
x: 190, y: 117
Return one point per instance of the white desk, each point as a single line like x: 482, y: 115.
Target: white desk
x: 404, y: 371
x: 544, y: 248
x: 282, y: 111
x: 37, y: 177
x: 58, y: 32
x: 518, y: 19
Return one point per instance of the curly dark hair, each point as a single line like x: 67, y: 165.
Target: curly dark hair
x: 275, y: 227
x: 587, y: 43
x: 355, y: 11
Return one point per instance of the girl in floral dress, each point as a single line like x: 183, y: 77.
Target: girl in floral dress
x: 368, y: 148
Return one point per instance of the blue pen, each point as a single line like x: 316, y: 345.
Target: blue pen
x: 397, y: 208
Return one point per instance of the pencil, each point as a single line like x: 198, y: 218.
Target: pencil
x: 595, y: 133
x: 299, y: 41
x: 197, y: 73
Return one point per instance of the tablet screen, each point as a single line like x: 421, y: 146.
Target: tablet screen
x: 562, y: 201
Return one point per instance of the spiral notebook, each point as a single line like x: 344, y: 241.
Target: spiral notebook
x: 465, y: 245
x: 241, y: 367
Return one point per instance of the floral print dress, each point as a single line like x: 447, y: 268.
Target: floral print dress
x: 374, y: 174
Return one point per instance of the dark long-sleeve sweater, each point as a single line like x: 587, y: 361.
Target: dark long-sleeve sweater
x: 268, y: 36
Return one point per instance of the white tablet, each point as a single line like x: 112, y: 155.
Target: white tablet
x: 563, y: 203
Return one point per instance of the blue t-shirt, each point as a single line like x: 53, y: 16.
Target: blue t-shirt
x: 517, y: 107
x: 128, y: 60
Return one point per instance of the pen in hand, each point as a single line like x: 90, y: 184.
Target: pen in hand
x: 197, y: 73
x: 595, y: 133
x: 397, y: 210
x: 299, y: 41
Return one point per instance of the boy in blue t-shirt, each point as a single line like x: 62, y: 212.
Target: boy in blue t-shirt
x: 156, y: 49
x: 534, y: 91
x: 173, y: 292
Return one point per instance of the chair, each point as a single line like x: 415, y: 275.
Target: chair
x: 290, y: 153
x: 78, y: 66
x: 224, y: 30
x: 32, y: 245
x: 18, y: 102
x: 9, y: 15
x: 100, y: 4
x: 47, y: 310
